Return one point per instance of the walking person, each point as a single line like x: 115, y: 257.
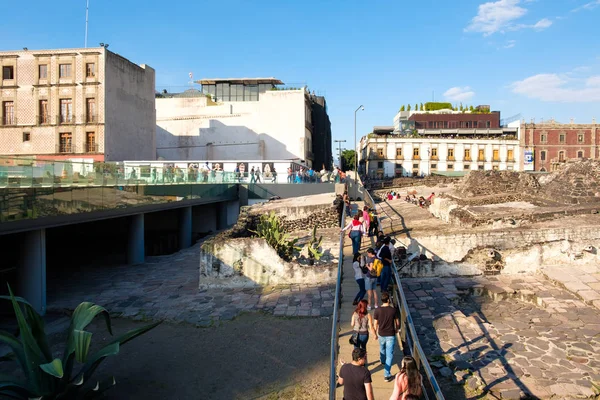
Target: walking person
x: 257, y: 173
x: 373, y: 223
x: 290, y: 178
x: 408, y: 382
x: 356, y: 378
x: 386, y: 325
x: 371, y: 279
x: 356, y: 232
x: 252, y: 177
x: 359, y: 276
x: 274, y: 175
x: 366, y: 218
x: 385, y: 255
x: 362, y: 323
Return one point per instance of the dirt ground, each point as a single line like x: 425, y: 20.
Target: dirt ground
x: 255, y: 356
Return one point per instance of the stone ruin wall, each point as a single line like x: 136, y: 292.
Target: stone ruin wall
x: 515, y: 251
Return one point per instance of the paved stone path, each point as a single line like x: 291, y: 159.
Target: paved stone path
x: 507, y: 336
x: 166, y: 288
x: 583, y: 281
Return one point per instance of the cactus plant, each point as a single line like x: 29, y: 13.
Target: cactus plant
x: 271, y: 229
x: 314, y: 247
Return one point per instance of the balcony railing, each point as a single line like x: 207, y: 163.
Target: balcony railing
x: 9, y: 120
x: 399, y: 157
x: 66, y: 119
x: 90, y: 118
x: 44, y: 119
x: 65, y: 148
x: 481, y: 159
x: 435, y: 158
x: 468, y: 158
x: 451, y: 158
x: 90, y: 147
x: 558, y: 160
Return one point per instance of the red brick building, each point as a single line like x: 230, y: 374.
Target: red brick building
x: 456, y: 120
x: 554, y: 143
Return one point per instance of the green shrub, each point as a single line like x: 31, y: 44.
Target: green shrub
x: 48, y: 378
x: 434, y: 106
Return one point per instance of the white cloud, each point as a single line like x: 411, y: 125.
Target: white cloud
x: 559, y: 88
x: 500, y: 16
x: 510, y: 44
x: 495, y: 16
x: 459, y: 93
x: 587, y: 6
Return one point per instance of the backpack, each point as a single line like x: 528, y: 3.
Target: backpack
x: 377, y: 267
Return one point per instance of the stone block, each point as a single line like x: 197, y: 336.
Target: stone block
x: 589, y: 295
x: 576, y: 286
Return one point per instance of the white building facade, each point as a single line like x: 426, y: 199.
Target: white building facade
x: 235, y: 119
x: 394, y: 156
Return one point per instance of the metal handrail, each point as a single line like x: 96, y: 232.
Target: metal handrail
x: 336, y: 312
x: 407, y: 324
x: 412, y: 341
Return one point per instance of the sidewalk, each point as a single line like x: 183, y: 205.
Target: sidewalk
x: 349, y: 288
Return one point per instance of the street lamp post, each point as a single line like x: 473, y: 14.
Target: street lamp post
x: 361, y: 107
x: 340, y: 150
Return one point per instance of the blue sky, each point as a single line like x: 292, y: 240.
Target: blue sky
x: 540, y: 58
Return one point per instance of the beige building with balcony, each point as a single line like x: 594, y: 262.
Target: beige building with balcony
x: 76, y: 104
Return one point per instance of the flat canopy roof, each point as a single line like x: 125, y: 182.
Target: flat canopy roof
x: 383, y: 129
x: 254, y: 81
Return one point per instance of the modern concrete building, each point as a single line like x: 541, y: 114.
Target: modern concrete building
x: 87, y: 104
x: 551, y: 144
x: 444, y: 141
x: 245, y: 118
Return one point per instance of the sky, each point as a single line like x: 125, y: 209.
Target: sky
x: 537, y: 58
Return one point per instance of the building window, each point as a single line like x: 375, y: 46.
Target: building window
x: 64, y: 71
x: 43, y: 111
x: 416, y: 152
x: 451, y: 154
x: 543, y: 155
x: 480, y: 167
x: 26, y: 136
x: 561, y: 156
x: 510, y: 155
x: 251, y: 93
x: 398, y: 151
x: 488, y: 124
x: 543, y: 137
x: 467, y: 167
x: 561, y: 138
x: 90, y: 110
x: 467, y: 154
x: 90, y: 70
x: 9, y: 113
x: 415, y: 166
x: 434, y: 153
x: 399, y: 166
x: 580, y: 138
x: 380, y: 152
x: 481, y: 155
x: 580, y: 154
x: 66, y: 111
x: 43, y: 71
x: 496, y: 155
x: 90, y: 142
x: 380, y: 165
x: 450, y: 167
x: 8, y: 72
x: 65, y: 144
x: 433, y: 166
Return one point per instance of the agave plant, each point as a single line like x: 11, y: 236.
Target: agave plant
x: 314, y: 247
x: 48, y: 378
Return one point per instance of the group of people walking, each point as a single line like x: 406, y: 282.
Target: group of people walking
x: 382, y: 324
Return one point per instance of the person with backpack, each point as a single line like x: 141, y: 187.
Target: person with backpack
x: 372, y: 223
x: 371, y: 278
x: 359, y: 276
x: 385, y: 255
x: 407, y: 384
x: 362, y: 323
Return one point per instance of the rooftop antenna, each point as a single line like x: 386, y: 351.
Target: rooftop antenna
x: 87, y: 6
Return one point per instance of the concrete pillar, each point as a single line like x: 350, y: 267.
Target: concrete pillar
x: 135, y: 246
x: 185, y: 227
x: 222, y: 216
x: 32, y: 270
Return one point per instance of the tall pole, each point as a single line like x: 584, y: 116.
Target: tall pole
x: 356, y: 154
x: 339, y: 142
x: 87, y: 6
